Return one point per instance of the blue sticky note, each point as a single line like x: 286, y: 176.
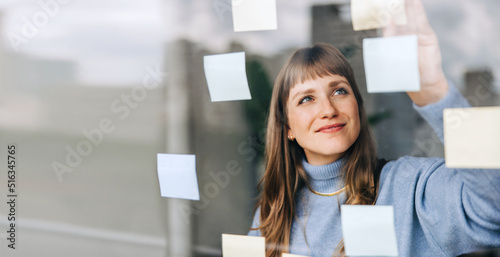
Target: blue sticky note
x: 391, y: 64
x: 252, y: 15
x: 177, y: 176
x: 368, y: 230
x: 226, y: 77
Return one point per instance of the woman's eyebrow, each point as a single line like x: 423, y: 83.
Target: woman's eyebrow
x: 337, y: 82
x: 303, y: 92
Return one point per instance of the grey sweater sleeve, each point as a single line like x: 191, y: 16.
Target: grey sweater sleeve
x: 468, y: 218
x: 433, y: 113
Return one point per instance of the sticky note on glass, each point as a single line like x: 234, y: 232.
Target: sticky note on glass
x: 372, y: 14
x: 226, y: 77
x: 251, y: 15
x: 177, y: 176
x: 369, y: 230
x: 291, y: 255
x: 472, y: 137
x: 243, y: 246
x: 391, y: 64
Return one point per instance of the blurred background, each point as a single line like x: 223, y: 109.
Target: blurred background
x: 91, y: 91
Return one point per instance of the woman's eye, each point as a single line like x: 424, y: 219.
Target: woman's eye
x: 340, y: 91
x: 305, y: 99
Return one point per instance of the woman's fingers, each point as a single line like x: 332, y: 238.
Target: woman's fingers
x: 391, y: 29
x: 420, y: 17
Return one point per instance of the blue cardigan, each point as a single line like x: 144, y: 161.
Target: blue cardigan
x: 437, y: 211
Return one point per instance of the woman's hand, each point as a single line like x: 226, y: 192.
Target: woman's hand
x: 433, y: 83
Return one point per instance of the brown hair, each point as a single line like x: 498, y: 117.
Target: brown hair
x: 284, y: 175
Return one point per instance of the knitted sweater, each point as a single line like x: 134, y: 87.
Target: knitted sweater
x: 438, y: 211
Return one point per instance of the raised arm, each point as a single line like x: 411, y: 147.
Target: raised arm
x: 459, y: 209
x: 433, y: 83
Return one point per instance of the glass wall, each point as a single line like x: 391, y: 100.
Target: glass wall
x: 91, y: 91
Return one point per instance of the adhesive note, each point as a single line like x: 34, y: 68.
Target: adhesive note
x: 472, y: 137
x: 177, y: 176
x: 369, y: 230
x: 372, y: 14
x: 252, y: 15
x: 226, y: 77
x: 243, y: 246
x: 391, y: 64
x: 291, y: 255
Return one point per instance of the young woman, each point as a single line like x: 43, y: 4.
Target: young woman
x: 320, y: 154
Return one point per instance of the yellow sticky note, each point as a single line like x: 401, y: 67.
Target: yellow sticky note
x: 472, y: 137
x: 372, y: 14
x: 291, y: 255
x: 243, y: 246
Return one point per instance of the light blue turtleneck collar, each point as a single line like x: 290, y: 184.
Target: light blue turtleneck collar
x: 325, y: 178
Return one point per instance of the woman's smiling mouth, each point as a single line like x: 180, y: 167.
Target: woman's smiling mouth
x: 331, y: 128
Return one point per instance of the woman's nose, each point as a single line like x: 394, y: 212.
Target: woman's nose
x: 328, y: 109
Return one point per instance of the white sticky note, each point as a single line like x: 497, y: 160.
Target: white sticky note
x: 391, y: 64
x: 243, y: 246
x: 372, y: 14
x: 251, y: 15
x: 177, y: 176
x: 369, y: 230
x: 226, y: 77
x: 292, y: 255
x: 472, y: 137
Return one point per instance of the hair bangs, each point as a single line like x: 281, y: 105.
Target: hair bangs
x: 316, y: 62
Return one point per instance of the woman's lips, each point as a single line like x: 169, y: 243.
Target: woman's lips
x: 331, y: 128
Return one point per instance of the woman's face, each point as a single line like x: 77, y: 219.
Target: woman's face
x: 323, y: 118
